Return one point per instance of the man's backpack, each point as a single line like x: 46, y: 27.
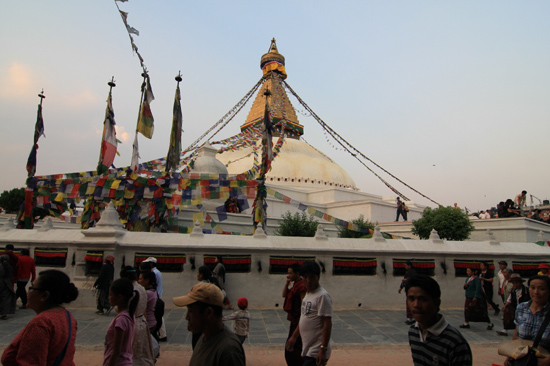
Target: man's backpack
x: 159, y: 312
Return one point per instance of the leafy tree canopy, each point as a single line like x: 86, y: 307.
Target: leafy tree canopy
x: 297, y: 224
x: 10, y: 201
x: 344, y: 232
x: 449, y: 222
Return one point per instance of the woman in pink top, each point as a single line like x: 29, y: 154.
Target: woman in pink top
x: 49, y: 338
x: 148, y: 280
x: 120, y: 334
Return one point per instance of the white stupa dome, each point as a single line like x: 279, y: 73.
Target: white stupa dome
x: 298, y: 164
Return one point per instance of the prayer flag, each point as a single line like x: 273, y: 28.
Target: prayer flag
x: 135, y: 155
x: 145, y: 123
x: 174, y: 150
x: 38, y: 131
x: 108, y: 141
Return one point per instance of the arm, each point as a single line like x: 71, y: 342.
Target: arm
x: 33, y: 272
x: 285, y: 289
x: 117, y: 345
x: 325, y: 338
x: 292, y: 339
x: 231, y: 317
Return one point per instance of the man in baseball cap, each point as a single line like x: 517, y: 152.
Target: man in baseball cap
x: 217, y: 345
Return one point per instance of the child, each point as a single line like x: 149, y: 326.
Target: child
x: 242, y: 319
x: 118, y: 340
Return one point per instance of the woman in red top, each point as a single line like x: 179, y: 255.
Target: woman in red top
x: 49, y: 338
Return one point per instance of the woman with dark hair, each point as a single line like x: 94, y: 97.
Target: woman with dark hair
x: 142, y: 347
x: 486, y: 277
x: 475, y: 306
x: 530, y: 315
x: 205, y: 275
x: 219, y: 274
x: 49, y: 338
x: 120, y: 334
x: 7, y: 294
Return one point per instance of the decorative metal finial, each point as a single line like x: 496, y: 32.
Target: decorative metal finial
x: 112, y: 82
x: 267, y: 93
x: 178, y: 78
x: 41, y: 95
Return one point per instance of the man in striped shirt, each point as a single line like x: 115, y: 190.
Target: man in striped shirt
x: 432, y: 339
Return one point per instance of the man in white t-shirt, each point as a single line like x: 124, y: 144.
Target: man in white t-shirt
x: 315, y: 324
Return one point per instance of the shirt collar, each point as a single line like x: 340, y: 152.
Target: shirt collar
x: 435, y: 329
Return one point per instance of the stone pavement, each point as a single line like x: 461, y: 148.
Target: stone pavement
x: 365, y: 336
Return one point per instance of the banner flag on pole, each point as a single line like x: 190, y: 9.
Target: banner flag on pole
x: 38, y: 131
x: 108, y: 141
x: 146, y: 120
x: 174, y: 150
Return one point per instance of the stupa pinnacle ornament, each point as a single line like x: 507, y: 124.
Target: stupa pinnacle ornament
x: 284, y: 118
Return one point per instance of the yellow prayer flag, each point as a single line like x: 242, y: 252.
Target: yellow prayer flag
x: 115, y: 184
x: 129, y: 193
x: 311, y: 211
x: 197, y: 201
x: 270, y: 191
x: 59, y: 197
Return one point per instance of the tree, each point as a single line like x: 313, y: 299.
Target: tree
x: 449, y: 222
x: 298, y: 224
x: 344, y: 232
x: 10, y: 201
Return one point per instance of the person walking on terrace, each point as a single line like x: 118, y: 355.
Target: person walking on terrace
x: 26, y: 270
x: 408, y: 274
x: 293, y: 293
x: 102, y: 284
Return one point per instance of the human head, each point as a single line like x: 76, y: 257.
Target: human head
x: 523, y: 193
x: 539, y: 289
x: 129, y: 273
x: 204, y: 273
x: 25, y: 251
x: 51, y: 288
x: 484, y: 266
x: 242, y: 302
x: 311, y: 273
x: 152, y: 261
x: 516, y: 280
x: 293, y: 272
x: 502, y: 265
x: 408, y: 265
x: 219, y: 259
x: 109, y: 259
x: 4, y: 258
x: 470, y: 271
x: 120, y: 294
x: 148, y: 279
x: 544, y: 267
x: 145, y: 266
x: 423, y: 298
x: 507, y: 273
x: 204, y: 307
x: 10, y: 247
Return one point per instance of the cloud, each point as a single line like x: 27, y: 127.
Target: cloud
x: 17, y: 81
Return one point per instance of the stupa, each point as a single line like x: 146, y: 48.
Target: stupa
x: 300, y: 170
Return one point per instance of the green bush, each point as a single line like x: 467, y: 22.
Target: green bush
x: 298, y: 224
x: 450, y: 224
x: 10, y: 201
x: 344, y: 232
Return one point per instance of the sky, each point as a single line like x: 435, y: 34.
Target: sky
x: 453, y: 98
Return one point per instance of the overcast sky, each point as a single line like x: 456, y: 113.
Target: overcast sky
x: 451, y: 97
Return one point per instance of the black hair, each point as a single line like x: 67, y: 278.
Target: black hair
x: 220, y: 258
x: 146, y: 266
x: 524, y: 191
x: 409, y: 263
x: 25, y: 251
x: 426, y: 283
x: 295, y: 268
x: 545, y: 279
x: 129, y: 273
x: 125, y: 288
x: 10, y: 247
x: 205, y: 272
x: 59, y: 285
x: 310, y: 267
x: 150, y: 276
x: 218, y: 310
x: 486, y: 264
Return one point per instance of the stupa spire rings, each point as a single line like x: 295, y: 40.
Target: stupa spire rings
x: 273, y: 61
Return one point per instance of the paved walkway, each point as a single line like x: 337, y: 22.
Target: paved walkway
x: 377, y: 337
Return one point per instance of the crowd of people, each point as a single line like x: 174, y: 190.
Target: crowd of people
x: 134, y: 333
